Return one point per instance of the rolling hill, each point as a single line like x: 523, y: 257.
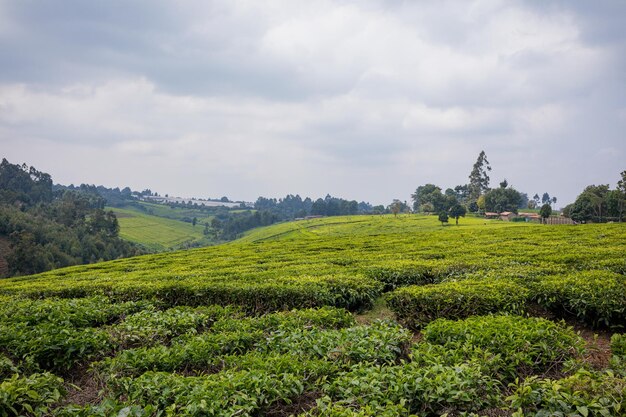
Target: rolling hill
x: 284, y: 321
x: 159, y: 233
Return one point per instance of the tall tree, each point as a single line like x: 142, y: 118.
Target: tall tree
x: 456, y: 211
x: 478, y: 178
x: 503, y: 199
x: 621, y: 188
x: 395, y: 207
x: 424, y: 194
x: 545, y: 211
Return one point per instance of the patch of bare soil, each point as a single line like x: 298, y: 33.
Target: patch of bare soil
x: 82, y: 387
x: 598, y: 346
x: 598, y: 341
x: 303, y: 403
x: 496, y: 412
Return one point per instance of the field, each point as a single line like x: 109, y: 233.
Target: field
x: 342, y: 316
x: 156, y: 232
x: 174, y: 213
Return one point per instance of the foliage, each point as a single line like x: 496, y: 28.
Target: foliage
x: 56, y: 334
x: 49, y: 230
x: 598, y: 203
x: 162, y: 347
x: 478, y: 178
x: 425, y: 390
x: 545, y: 211
x: 524, y: 345
x: 501, y: 199
x: 456, y: 211
x: 582, y: 394
x: 156, y: 233
x: 417, y: 306
x: 595, y: 297
x: 32, y: 396
x: 327, y: 408
x: 618, y: 344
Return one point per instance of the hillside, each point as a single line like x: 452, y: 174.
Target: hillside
x: 158, y: 233
x: 200, y: 332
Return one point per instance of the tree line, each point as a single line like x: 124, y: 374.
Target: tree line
x: 599, y: 203
x: 476, y: 196
x: 49, y: 228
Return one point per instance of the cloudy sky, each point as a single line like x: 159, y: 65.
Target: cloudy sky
x: 360, y: 99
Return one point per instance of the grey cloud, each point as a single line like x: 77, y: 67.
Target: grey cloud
x: 365, y: 99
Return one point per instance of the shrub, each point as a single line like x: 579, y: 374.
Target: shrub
x: 417, y: 306
x: 618, y: 344
x: 595, y: 297
x: 32, y: 396
x: 582, y: 394
x: 150, y: 326
x: 524, y: 345
x: 431, y: 390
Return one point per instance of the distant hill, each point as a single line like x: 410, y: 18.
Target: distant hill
x: 158, y: 233
x: 42, y: 228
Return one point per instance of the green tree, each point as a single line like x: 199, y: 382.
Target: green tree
x: 456, y: 211
x: 545, y: 211
x: 424, y: 194
x: 443, y: 217
x: 194, y: 221
x: 621, y: 188
x: 503, y: 199
x: 478, y: 178
x: 395, y: 207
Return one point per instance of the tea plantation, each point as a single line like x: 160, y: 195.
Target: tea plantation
x: 490, y: 318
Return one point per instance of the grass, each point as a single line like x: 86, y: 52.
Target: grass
x: 175, y: 213
x: 157, y: 233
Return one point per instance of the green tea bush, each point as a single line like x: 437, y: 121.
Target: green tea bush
x: 108, y: 408
x: 524, y: 345
x: 72, y: 312
x: 150, y: 326
x: 53, y: 346
x: 7, y: 368
x: 401, y: 273
x: 241, y: 393
x: 582, y: 394
x: 227, y: 336
x: 618, y: 344
x: 30, y: 396
x: 595, y: 297
x: 382, y: 342
x: 417, y: 306
x: 324, y: 317
x: 197, y: 353
x: 327, y: 408
x: 427, y: 391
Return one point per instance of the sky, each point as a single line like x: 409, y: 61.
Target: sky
x: 362, y: 100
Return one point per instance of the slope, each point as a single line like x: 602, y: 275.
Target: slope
x: 157, y: 233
